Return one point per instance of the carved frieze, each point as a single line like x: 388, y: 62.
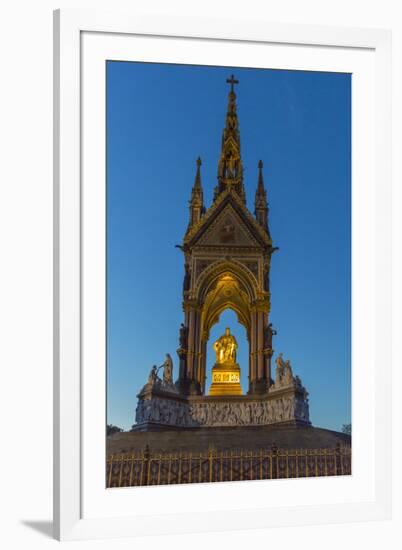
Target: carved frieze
x: 205, y: 413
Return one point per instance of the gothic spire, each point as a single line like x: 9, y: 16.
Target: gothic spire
x: 230, y: 167
x: 261, y: 206
x: 197, y: 197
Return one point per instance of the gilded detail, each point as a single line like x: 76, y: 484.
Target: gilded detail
x: 226, y: 348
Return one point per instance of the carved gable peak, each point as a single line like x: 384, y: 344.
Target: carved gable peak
x: 227, y: 223
x: 227, y: 229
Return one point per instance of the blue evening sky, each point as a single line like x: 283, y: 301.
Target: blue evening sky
x: 160, y: 118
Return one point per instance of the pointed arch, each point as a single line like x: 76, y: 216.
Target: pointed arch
x: 226, y: 293
x: 226, y: 268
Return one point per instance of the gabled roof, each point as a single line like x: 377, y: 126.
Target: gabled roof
x: 228, y: 204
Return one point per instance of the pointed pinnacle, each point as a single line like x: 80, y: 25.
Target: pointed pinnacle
x: 260, y: 178
x: 197, y: 182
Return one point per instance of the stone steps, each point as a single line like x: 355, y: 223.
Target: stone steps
x: 246, y: 438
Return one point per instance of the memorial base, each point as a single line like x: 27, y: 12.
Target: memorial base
x: 225, y: 380
x: 160, y: 406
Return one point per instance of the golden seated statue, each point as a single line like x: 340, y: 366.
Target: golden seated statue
x: 226, y: 372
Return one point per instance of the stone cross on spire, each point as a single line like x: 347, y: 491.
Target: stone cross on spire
x: 232, y: 81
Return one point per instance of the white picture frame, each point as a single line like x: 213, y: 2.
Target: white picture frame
x: 83, y: 508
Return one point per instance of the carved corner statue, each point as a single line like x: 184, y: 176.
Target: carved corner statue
x: 289, y: 378
x: 167, y: 366
x: 167, y: 370
x: 225, y: 348
x: 280, y: 366
x: 183, y: 336
x: 269, y: 333
x: 284, y: 372
x: 187, y: 278
x: 153, y: 375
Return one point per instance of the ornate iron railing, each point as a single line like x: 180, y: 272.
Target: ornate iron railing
x: 146, y: 468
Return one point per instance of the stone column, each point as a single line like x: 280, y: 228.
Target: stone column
x: 187, y: 356
x: 267, y: 360
x: 190, y: 352
x: 196, y: 375
x: 260, y: 381
x: 203, y: 364
x: 198, y: 353
x: 182, y: 353
x: 253, y: 352
x: 269, y: 333
x: 260, y: 346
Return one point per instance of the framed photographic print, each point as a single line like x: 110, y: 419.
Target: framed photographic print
x: 222, y: 275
